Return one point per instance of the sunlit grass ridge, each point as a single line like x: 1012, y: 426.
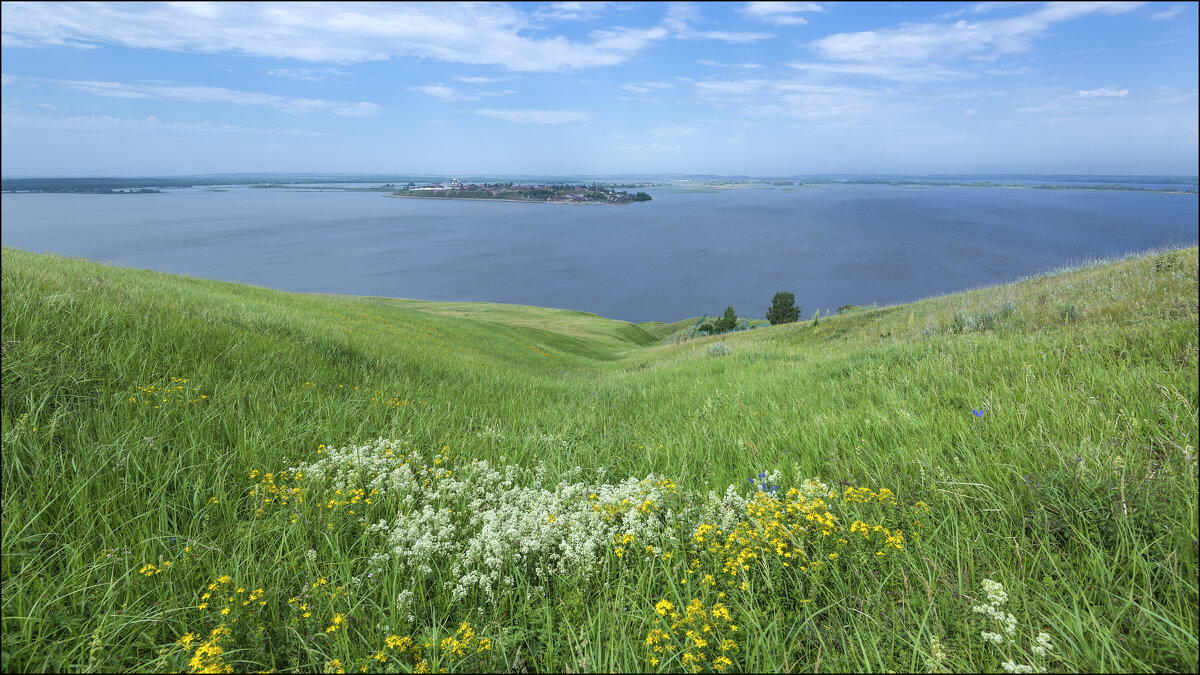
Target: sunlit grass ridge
x: 202, y: 476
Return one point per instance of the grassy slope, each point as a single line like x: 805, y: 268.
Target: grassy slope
x: 1077, y: 489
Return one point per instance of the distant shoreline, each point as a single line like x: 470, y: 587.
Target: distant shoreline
x: 515, y: 201
x: 1047, y: 186
x: 794, y: 188
x: 1169, y: 185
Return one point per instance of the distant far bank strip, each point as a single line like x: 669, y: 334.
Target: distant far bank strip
x: 518, y: 201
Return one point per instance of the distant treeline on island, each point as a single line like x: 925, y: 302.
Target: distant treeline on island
x: 582, y: 194
x: 88, y: 185
x: 102, y: 185
x: 594, y: 193
x: 153, y: 185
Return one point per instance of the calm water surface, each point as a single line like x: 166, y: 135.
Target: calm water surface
x: 681, y: 255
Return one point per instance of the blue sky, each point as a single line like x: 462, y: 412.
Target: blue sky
x: 599, y: 88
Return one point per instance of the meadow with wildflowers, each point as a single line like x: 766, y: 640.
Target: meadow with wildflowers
x: 209, y: 477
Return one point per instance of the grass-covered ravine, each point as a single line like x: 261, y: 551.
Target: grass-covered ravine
x: 209, y: 477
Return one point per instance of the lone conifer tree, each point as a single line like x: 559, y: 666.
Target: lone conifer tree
x: 726, y: 322
x: 783, y: 309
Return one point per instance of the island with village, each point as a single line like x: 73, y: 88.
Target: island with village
x: 543, y: 192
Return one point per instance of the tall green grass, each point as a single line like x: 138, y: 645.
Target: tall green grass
x: 1076, y: 489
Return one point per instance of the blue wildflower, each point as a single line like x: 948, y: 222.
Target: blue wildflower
x: 978, y: 413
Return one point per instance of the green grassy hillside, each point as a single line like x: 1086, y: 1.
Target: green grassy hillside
x: 204, y: 476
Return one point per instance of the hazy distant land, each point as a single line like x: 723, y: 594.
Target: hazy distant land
x: 598, y: 189
x: 510, y: 192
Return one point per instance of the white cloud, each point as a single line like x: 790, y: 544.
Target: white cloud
x: 444, y: 93
x: 843, y: 104
x: 674, y: 131
x: 723, y: 89
x: 920, y: 42
x: 982, y: 8
x: 346, y: 33
x: 200, y: 10
x: 361, y: 109
x: 341, y: 33
x: 803, y: 100
x: 1102, y: 92
x: 573, y: 11
x: 308, y: 74
x: 150, y: 123
x: 534, y: 116
x: 1169, y: 13
x: 200, y: 94
x: 781, y: 13
x: 645, y: 87
x: 626, y: 40
x: 718, y: 64
x: 1083, y: 101
x: 726, y: 36
x: 913, y: 73
x: 681, y: 15
x: 478, y: 80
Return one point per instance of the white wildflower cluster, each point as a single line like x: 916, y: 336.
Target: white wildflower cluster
x: 1043, y: 647
x: 557, y: 441
x: 994, y: 638
x: 813, y: 489
x: 404, y: 600
x: 995, y: 592
x: 724, y: 510
x: 770, y: 479
x: 997, y: 597
x: 992, y: 608
x: 485, y: 526
x: 404, y: 603
x: 567, y: 528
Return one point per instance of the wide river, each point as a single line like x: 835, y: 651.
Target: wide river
x: 683, y: 254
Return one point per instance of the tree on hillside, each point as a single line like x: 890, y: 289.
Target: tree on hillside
x: 783, y: 309
x: 727, y: 322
